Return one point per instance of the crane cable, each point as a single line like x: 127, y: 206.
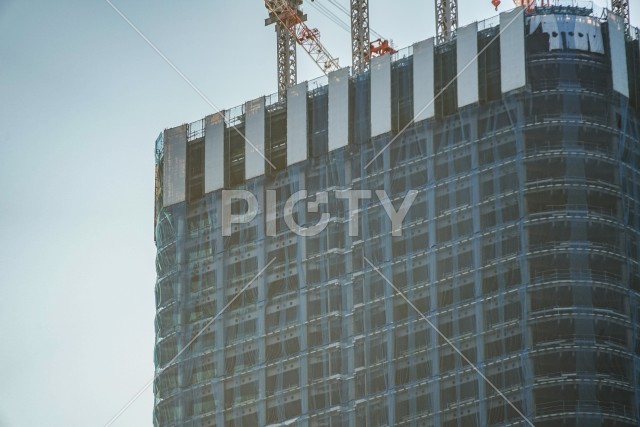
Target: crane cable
x: 346, y: 12
x: 336, y: 19
x: 331, y: 16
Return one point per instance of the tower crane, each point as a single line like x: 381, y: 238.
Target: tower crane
x: 362, y: 49
x: 621, y: 7
x: 446, y: 20
x: 291, y: 30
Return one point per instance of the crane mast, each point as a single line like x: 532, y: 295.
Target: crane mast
x: 621, y: 7
x: 291, y: 30
x: 360, y: 35
x: 362, y: 49
x: 446, y: 19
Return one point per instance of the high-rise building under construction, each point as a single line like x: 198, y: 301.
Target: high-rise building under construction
x: 518, y: 257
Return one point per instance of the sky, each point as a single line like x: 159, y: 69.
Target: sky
x: 82, y: 100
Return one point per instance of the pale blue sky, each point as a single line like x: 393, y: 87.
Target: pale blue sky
x: 82, y: 100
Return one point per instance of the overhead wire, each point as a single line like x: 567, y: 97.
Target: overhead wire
x: 346, y: 12
x: 331, y: 16
x: 339, y: 6
x: 336, y: 19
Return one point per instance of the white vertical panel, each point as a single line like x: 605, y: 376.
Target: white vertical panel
x: 587, y: 33
x: 467, y: 51
x: 423, y: 80
x: 618, y: 55
x: 339, y: 108
x: 175, y: 165
x: 297, y: 124
x: 254, y: 138
x: 596, y: 40
x: 214, y: 152
x: 550, y: 26
x: 581, y: 33
x: 380, y: 95
x: 512, y: 59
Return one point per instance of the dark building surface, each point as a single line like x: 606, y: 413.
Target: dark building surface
x: 521, y: 246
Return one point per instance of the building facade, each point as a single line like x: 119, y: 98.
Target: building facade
x: 521, y: 247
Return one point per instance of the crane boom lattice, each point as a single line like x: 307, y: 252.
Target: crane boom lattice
x: 291, y: 29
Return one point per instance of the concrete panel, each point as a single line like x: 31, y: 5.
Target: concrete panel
x: 512, y: 59
x: 423, y: 80
x: 339, y: 108
x: 254, y: 138
x: 214, y: 153
x: 380, y: 95
x: 175, y: 165
x: 618, y: 55
x: 297, y: 129
x: 467, y: 51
